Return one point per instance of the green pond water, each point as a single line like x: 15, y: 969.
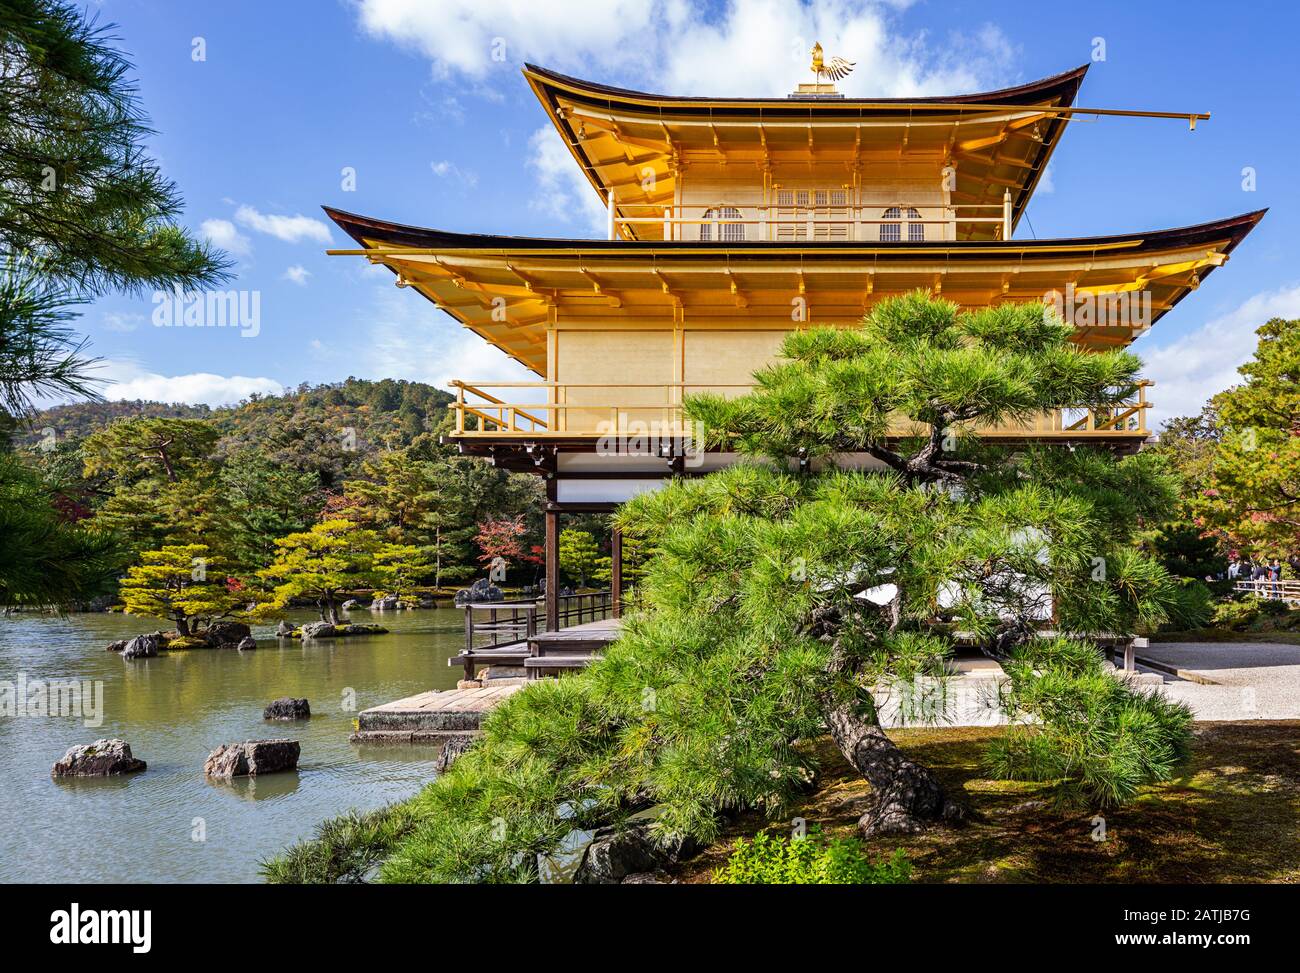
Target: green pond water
x: 169, y: 824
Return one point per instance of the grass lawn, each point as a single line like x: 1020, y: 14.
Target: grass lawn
x: 1232, y: 816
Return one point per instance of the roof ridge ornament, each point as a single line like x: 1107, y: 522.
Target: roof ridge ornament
x: 826, y: 73
x: 835, y: 70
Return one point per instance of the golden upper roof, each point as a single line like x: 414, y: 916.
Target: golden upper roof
x: 993, y: 141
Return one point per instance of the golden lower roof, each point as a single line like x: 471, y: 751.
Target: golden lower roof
x: 509, y: 290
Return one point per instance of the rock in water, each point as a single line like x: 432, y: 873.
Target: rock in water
x: 144, y: 646
x: 485, y: 590
x: 287, y: 708
x: 251, y: 758
x: 117, y: 646
x: 318, y: 630
x: 350, y: 604
x: 247, y: 644
x: 284, y: 629
x: 226, y: 634
x: 99, y: 759
x: 389, y: 603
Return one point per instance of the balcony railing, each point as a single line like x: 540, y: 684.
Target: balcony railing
x: 541, y: 410
x: 862, y: 223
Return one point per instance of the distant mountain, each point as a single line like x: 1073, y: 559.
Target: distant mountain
x: 327, y: 428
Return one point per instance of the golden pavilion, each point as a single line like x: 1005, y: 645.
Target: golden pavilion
x: 732, y: 221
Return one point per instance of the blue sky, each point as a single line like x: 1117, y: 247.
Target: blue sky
x: 408, y: 95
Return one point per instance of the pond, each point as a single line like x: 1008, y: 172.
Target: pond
x: 169, y: 824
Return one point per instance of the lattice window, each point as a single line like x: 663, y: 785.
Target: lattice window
x: 727, y: 232
x: 894, y: 231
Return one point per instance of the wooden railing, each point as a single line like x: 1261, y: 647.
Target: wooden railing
x: 1274, y: 590
x: 495, y: 624
x: 492, y: 624
x: 585, y: 606
x: 632, y: 410
x: 812, y: 223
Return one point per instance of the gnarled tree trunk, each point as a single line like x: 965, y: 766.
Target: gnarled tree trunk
x: 908, y: 798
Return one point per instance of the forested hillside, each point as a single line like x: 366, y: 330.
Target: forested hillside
x: 246, y: 485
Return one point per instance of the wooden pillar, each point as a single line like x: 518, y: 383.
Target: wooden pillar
x: 616, y: 571
x: 552, y: 570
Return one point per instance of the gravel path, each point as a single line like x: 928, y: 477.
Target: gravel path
x: 1250, y: 680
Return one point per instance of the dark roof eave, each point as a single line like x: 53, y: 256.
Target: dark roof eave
x: 1064, y: 86
x: 360, y: 228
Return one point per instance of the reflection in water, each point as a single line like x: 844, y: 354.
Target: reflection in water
x: 259, y: 788
x: 169, y: 824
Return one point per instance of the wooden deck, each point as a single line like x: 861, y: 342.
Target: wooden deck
x: 431, y: 717
x: 545, y: 652
x: 438, y: 718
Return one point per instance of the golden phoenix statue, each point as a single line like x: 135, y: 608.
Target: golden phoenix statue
x: 837, y: 68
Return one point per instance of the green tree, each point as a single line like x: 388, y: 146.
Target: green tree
x: 39, y: 354
x: 83, y: 210
x: 399, y: 568
x: 182, y: 583
x: 1250, y: 496
x: 422, y: 496
x: 579, y: 556
x: 781, y: 605
x: 79, y: 187
x: 263, y: 502
x: 636, y: 551
x: 45, y: 559
x: 333, y: 557
x: 128, y: 450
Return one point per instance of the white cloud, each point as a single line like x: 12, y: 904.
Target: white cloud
x: 290, y: 229
x: 1203, y: 362
x: 122, y: 321
x: 226, y: 236
x: 563, y: 192
x: 752, y: 47
x: 126, y: 379
x: 298, y: 274
x: 1046, y: 184
x: 446, y: 169
x: 407, y: 339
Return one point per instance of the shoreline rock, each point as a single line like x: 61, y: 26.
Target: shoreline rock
x: 103, y: 758
x: 226, y: 634
x: 252, y: 758
x: 614, y: 855
x: 247, y: 644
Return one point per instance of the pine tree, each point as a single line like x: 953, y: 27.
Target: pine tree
x: 579, y: 556
x: 398, y: 569
x: 333, y: 557
x: 84, y: 210
x: 786, y: 595
x: 182, y: 583
x: 1249, y: 496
